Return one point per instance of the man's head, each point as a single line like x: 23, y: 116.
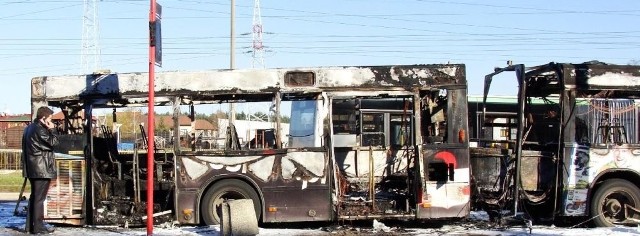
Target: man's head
x: 43, y: 112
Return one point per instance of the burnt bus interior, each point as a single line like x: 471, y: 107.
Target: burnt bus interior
x: 373, y: 140
x: 361, y: 147
x: 374, y: 147
x: 535, y: 138
x: 509, y: 129
x: 495, y: 134
x: 119, y: 177
x: 370, y: 135
x: 558, y: 106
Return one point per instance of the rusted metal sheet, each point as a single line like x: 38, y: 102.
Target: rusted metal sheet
x: 533, y: 179
x: 489, y: 166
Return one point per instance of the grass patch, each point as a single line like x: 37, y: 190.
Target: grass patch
x: 11, y: 181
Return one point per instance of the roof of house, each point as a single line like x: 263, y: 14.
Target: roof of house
x: 183, y: 121
x: 168, y: 120
x: 204, y: 125
x: 16, y: 118
x: 60, y: 116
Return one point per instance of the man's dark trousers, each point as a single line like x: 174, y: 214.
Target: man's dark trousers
x: 35, y: 215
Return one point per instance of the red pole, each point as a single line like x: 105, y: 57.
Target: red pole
x: 151, y: 122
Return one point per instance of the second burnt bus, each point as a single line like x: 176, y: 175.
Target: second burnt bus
x: 304, y: 144
x: 567, y: 146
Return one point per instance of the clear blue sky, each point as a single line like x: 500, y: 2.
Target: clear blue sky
x: 43, y: 37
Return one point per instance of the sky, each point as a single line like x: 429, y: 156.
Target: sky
x: 44, y: 37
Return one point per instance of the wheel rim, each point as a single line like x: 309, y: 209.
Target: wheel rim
x: 613, y: 205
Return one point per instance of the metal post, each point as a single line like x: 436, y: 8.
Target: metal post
x: 232, y: 58
x: 520, y: 74
x: 151, y: 122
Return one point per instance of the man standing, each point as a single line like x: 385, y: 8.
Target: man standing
x: 38, y: 162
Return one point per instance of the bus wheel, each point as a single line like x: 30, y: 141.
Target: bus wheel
x: 225, y: 190
x: 608, y: 202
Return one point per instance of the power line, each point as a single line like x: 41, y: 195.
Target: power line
x: 356, y: 44
x: 560, y: 11
x: 388, y: 18
x: 603, y: 40
x: 598, y: 34
x: 412, y: 50
x: 39, y: 11
x: 328, y: 15
x: 426, y: 14
x: 66, y: 1
x: 126, y: 61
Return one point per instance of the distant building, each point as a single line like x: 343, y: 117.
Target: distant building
x: 11, y: 128
x: 201, y: 130
x: 247, y: 130
x: 74, y: 126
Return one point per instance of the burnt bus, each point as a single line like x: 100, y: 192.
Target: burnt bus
x: 303, y: 144
x: 566, y: 147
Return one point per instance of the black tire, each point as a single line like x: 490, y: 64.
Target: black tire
x: 607, y: 203
x: 226, y: 189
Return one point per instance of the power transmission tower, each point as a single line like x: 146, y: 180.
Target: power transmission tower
x: 257, y: 48
x: 90, y: 55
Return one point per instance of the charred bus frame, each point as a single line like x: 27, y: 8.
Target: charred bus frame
x: 367, y: 142
x: 576, y: 141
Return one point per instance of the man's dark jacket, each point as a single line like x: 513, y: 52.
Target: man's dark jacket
x: 37, y: 151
